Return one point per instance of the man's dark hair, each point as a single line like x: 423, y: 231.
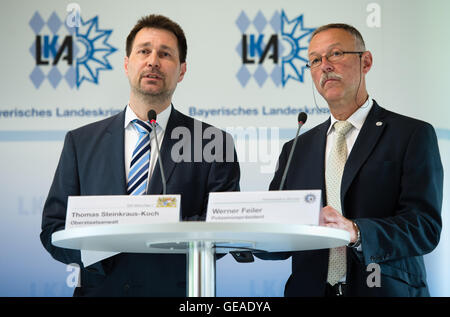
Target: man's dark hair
x: 163, y: 23
x: 359, y: 41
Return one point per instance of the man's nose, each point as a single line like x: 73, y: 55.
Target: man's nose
x: 326, y: 66
x: 153, y: 60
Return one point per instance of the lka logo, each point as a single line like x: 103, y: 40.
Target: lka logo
x: 70, y: 54
x: 274, y: 47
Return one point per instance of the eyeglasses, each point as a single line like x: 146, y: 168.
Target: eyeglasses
x: 332, y: 56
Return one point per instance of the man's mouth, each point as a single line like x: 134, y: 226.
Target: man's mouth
x: 328, y: 80
x: 324, y: 81
x: 152, y: 76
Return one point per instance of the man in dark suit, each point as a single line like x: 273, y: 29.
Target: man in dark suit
x: 96, y: 160
x: 387, y: 192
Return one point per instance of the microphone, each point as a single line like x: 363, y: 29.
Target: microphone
x: 301, y: 121
x: 152, y: 118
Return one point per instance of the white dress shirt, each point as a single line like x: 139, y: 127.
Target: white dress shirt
x: 357, y: 120
x: 132, y: 137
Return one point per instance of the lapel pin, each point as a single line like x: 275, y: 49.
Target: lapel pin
x: 379, y: 123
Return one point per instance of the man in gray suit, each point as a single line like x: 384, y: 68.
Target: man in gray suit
x: 98, y: 159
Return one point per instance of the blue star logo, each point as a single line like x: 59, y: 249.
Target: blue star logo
x: 291, y: 39
x: 97, y: 50
x: 293, y: 66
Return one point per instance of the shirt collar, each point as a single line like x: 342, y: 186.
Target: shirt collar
x: 357, y: 118
x: 162, y: 119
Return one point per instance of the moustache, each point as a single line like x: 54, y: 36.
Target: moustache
x: 327, y: 76
x: 152, y: 72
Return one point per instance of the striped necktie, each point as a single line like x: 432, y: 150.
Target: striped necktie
x: 140, y: 161
x: 333, y: 177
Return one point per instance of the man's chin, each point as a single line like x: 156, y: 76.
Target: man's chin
x: 158, y: 95
x: 150, y: 92
x: 332, y: 95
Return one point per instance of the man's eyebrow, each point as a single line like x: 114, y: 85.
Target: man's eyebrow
x: 165, y: 47
x: 144, y: 44
x: 149, y: 44
x: 329, y: 47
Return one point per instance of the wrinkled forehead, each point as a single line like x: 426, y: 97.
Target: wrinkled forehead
x: 326, y: 40
x: 155, y: 36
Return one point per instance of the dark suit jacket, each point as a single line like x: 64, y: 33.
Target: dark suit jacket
x: 391, y: 187
x: 92, y: 163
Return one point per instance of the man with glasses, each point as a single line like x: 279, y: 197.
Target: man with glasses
x: 381, y: 178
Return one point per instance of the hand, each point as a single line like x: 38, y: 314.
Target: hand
x: 330, y: 217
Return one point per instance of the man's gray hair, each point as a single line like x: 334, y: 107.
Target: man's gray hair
x: 359, y: 41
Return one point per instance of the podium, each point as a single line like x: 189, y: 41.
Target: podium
x: 201, y: 241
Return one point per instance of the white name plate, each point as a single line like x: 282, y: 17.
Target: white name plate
x: 287, y: 206
x: 85, y: 211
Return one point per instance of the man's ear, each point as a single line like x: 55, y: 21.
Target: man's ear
x: 183, y: 69
x: 125, y: 65
x: 367, y: 61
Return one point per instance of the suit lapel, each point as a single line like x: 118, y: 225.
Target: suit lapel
x: 155, y: 186
x: 317, y: 157
x: 368, y: 137
x: 114, y: 144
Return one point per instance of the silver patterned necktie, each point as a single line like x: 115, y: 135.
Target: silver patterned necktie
x: 333, y: 178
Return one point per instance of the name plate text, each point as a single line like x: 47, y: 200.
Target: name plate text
x: 108, y: 210
x: 287, y: 206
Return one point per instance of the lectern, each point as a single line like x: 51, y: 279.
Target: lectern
x: 200, y: 241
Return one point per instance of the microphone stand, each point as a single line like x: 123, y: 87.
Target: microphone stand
x: 301, y: 121
x: 152, y: 119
